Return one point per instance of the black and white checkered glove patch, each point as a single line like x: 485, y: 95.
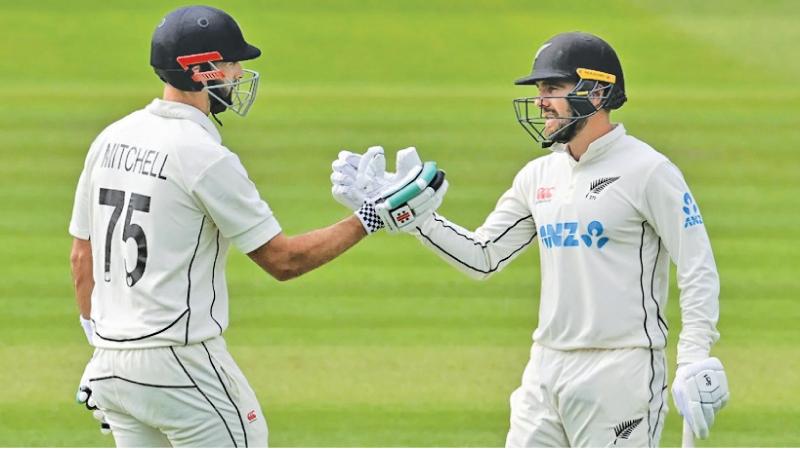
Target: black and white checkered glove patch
x: 369, y: 218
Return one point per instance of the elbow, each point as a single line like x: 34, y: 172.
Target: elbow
x: 287, y: 268
x: 282, y: 275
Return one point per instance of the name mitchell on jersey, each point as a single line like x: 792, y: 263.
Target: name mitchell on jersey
x: 144, y: 160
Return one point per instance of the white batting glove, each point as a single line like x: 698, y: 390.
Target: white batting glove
x: 88, y: 329
x: 407, y: 215
x: 84, y: 396
x: 700, y: 390
x: 356, y: 178
x: 398, y: 201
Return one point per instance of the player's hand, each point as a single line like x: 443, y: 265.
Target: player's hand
x: 416, y: 191
x: 84, y: 396
x: 700, y: 390
x: 88, y: 329
x: 356, y: 178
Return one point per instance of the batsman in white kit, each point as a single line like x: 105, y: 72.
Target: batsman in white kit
x: 158, y: 204
x: 609, y: 213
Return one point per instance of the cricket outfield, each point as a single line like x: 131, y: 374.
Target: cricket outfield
x: 389, y: 346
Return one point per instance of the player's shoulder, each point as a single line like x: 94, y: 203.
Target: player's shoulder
x: 198, y: 152
x: 544, y: 162
x: 639, y: 152
x: 643, y: 159
x: 117, y: 126
x: 534, y: 170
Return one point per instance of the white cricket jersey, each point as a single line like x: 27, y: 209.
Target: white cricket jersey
x: 607, y: 227
x: 161, y: 199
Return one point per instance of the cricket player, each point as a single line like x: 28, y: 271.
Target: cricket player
x: 157, y: 207
x: 609, y: 213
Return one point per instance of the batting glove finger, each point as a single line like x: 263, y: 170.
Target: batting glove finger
x: 371, y: 169
x: 344, y: 168
x: 407, y: 159
x: 340, y: 178
x: 349, y: 158
x: 347, y: 196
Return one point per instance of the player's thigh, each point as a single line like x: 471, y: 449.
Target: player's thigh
x: 614, y: 398
x: 534, y: 421
x: 240, y: 393
x: 185, y: 392
x: 128, y: 432
x: 222, y: 411
x: 144, y: 413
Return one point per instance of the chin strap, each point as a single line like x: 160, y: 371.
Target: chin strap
x: 214, y: 115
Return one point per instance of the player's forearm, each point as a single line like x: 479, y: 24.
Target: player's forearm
x: 457, y: 246
x: 699, y: 302
x: 478, y: 254
x: 82, y: 278
x: 313, y: 249
x: 288, y: 257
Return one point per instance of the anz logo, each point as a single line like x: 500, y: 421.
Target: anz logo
x: 568, y: 234
x: 691, y: 212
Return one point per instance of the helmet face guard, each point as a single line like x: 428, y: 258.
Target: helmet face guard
x: 591, y: 85
x: 236, y: 95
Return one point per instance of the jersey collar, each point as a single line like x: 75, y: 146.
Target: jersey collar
x: 604, y: 142
x: 596, y: 148
x: 177, y: 110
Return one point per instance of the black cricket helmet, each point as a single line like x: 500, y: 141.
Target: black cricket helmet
x: 575, y: 57
x: 188, y: 42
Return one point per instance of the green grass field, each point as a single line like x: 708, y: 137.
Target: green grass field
x: 348, y: 355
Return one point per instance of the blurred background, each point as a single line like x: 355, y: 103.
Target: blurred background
x: 388, y: 345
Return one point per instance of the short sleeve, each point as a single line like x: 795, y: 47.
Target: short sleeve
x: 234, y: 204
x: 79, y: 225
x: 81, y: 222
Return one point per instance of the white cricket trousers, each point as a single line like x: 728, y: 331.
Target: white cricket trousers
x: 178, y: 396
x: 590, y: 398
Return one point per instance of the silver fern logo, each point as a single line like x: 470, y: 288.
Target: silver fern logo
x: 623, y: 430
x: 599, y: 185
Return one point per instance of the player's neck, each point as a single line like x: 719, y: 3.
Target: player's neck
x: 198, y: 100
x: 595, y: 127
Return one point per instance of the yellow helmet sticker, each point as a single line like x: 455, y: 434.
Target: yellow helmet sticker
x: 590, y: 74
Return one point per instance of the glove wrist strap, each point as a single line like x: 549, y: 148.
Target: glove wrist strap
x: 369, y: 218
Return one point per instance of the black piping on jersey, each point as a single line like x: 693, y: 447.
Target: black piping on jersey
x: 512, y: 226
x: 448, y: 226
x: 649, y: 340
x: 214, y: 288
x: 663, y: 332
x: 235, y: 407
x: 472, y: 240
x: 204, y: 396
x: 104, y: 378
x: 120, y: 340
x: 661, y: 406
x: 653, y: 297
x: 482, y: 271
x: 189, y: 277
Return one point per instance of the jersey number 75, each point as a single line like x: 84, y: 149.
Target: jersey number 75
x: 139, y: 202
